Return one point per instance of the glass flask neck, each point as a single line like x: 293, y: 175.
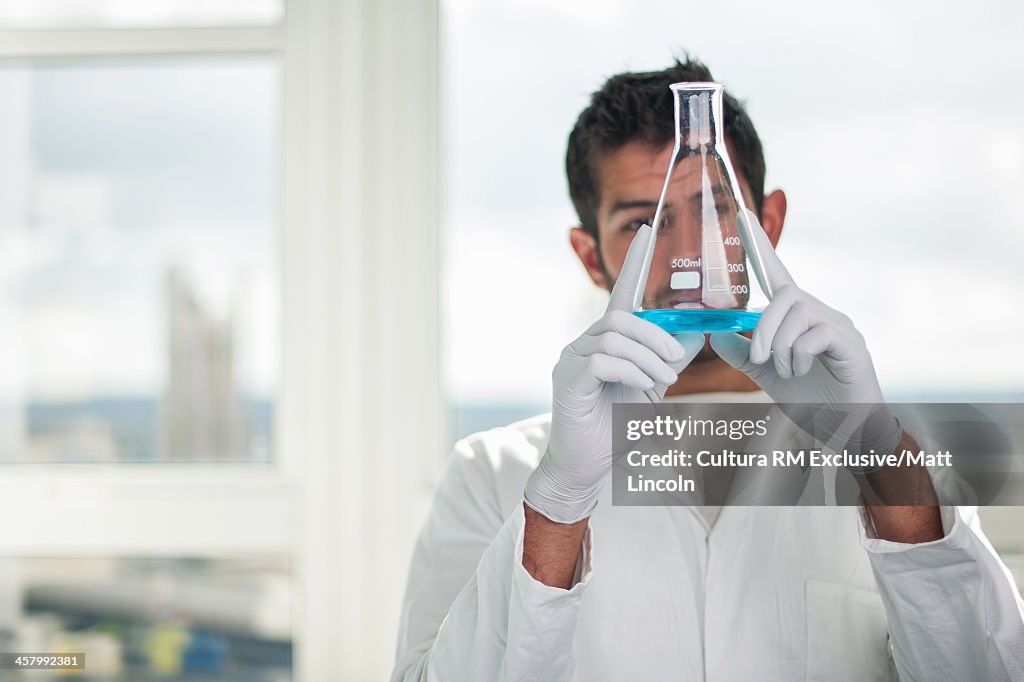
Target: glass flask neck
x: 698, y: 115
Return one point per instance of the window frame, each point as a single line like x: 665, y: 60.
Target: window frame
x: 31, y: 490
x: 346, y: 491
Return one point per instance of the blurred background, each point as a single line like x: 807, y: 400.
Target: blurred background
x: 240, y: 240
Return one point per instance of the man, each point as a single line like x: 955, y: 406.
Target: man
x: 525, y: 571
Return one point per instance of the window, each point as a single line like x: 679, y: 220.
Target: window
x: 139, y: 223
x: 882, y: 159
x: 199, y: 207
x: 880, y: 182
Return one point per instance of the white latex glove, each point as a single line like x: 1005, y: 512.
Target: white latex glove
x: 803, y: 351
x: 621, y: 358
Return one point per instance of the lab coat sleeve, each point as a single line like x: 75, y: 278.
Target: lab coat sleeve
x: 471, y: 611
x: 952, y: 608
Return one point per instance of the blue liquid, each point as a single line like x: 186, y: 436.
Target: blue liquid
x: 702, y: 320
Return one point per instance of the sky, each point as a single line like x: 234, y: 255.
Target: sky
x: 894, y: 128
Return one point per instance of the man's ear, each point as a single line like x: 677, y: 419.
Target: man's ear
x: 773, y: 215
x: 585, y: 246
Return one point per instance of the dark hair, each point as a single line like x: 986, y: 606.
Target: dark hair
x: 633, y: 107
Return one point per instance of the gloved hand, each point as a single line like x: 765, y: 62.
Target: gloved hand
x: 621, y: 358
x: 803, y: 351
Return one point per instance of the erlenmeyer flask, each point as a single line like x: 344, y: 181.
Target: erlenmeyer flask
x: 703, y: 272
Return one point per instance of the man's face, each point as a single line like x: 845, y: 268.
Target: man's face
x: 630, y: 181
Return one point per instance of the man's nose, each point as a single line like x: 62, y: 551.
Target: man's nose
x: 681, y: 240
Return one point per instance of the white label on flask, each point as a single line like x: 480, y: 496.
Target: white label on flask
x: 685, y: 280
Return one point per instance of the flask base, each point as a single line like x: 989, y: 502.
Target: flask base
x: 704, y: 320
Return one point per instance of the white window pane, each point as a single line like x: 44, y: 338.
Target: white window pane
x: 138, y: 205
x: 150, y: 13
x: 153, y: 618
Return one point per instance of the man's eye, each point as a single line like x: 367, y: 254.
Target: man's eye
x: 635, y: 225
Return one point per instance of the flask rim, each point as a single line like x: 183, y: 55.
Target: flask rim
x: 696, y: 85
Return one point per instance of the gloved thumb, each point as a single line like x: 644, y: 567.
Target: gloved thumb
x: 692, y: 343
x: 767, y: 265
x: 629, y: 280
x: 735, y: 350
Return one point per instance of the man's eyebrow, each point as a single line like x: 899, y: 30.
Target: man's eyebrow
x: 717, y: 190
x: 631, y: 203
x: 627, y: 204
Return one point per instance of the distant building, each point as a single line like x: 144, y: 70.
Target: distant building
x: 201, y: 411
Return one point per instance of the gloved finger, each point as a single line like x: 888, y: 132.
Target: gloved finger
x: 775, y: 272
x: 626, y: 285
x: 735, y: 350
x: 640, y: 330
x: 609, y: 369
x: 812, y: 343
x: 799, y: 319
x: 766, y: 343
x: 692, y: 343
x: 615, y: 344
x: 771, y: 320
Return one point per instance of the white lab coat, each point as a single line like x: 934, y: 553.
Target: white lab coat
x: 770, y: 593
